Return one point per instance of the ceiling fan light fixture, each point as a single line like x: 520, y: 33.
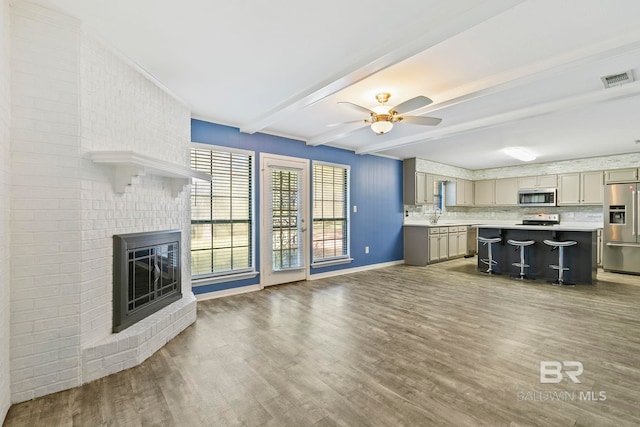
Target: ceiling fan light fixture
x: 520, y: 154
x: 381, y: 127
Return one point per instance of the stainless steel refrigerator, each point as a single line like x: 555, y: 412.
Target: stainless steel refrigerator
x: 621, y: 250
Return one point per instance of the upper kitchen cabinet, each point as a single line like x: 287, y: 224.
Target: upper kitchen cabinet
x: 541, y: 181
x: 569, y: 189
x: 621, y: 175
x: 585, y: 188
x: 506, y: 192
x: 418, y: 187
x: 485, y: 192
x: 459, y: 192
x: 592, y: 188
x: 492, y: 192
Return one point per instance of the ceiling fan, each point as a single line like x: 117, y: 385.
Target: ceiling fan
x: 382, y: 117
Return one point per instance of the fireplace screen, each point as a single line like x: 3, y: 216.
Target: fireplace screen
x: 146, y: 275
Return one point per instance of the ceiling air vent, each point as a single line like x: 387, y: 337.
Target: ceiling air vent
x: 617, y: 79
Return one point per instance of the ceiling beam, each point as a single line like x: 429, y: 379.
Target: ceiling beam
x: 384, y: 57
x: 512, y: 79
x: 589, y: 98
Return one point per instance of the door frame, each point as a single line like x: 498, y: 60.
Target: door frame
x: 265, y: 226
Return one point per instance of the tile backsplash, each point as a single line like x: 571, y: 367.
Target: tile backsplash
x: 590, y: 214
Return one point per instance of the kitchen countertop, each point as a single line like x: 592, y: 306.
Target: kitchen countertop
x: 559, y: 227
x: 440, y: 224
x: 565, y: 226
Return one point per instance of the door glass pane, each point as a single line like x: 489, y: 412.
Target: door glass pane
x: 285, y: 214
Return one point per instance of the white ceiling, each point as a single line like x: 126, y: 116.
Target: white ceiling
x: 500, y: 72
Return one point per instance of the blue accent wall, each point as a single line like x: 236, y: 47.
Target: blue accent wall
x: 376, y: 189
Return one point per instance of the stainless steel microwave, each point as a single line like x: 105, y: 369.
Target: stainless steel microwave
x: 537, y: 197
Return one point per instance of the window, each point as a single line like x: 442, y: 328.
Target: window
x: 221, y: 212
x: 330, y: 212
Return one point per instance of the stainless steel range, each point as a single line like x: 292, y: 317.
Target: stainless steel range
x: 541, y: 219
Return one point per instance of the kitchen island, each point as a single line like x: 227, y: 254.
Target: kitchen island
x: 581, y: 259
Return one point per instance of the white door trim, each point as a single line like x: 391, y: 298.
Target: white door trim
x: 267, y: 159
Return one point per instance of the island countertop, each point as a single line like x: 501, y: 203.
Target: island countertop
x: 557, y: 227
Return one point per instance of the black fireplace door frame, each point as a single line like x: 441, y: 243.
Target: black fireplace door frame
x: 122, y: 245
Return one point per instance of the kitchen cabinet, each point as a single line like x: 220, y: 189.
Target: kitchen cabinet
x: 459, y: 192
x: 463, y: 240
x: 569, y: 189
x: 453, y: 242
x: 485, y: 192
x: 418, y: 188
x: 427, y: 245
x: 540, y: 181
x: 501, y: 192
x: 621, y: 175
x: 506, y: 192
x: 457, y: 241
x: 424, y: 189
x: 438, y: 243
x: 592, y: 188
x: 584, y: 188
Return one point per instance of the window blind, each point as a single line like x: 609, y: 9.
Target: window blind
x: 221, y: 213
x: 330, y: 212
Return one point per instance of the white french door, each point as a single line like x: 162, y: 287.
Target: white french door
x: 284, y: 242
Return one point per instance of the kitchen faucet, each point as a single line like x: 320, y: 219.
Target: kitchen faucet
x: 436, y: 216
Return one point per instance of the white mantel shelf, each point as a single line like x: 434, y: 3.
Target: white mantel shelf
x: 129, y: 164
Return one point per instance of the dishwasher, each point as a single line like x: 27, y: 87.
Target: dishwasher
x: 472, y: 241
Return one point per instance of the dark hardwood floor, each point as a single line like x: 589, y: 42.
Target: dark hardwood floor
x: 415, y: 346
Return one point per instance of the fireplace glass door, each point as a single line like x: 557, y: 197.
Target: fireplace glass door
x: 146, y: 275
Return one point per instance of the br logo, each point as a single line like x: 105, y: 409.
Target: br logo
x: 551, y: 371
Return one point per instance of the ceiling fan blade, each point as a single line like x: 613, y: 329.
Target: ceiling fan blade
x: 412, y: 104
x: 347, y: 123
x: 355, y: 107
x: 418, y: 120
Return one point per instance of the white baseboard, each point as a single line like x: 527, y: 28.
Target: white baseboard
x: 253, y: 288
x: 228, y: 292
x: 354, y: 269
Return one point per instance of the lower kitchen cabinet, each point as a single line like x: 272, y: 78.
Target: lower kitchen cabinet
x: 462, y: 241
x: 453, y: 242
x: 438, y: 244
x: 427, y: 245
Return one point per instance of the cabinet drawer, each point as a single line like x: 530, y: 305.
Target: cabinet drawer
x: 434, y: 230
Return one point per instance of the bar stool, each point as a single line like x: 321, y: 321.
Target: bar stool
x: 488, y: 241
x: 560, y: 267
x: 521, y: 264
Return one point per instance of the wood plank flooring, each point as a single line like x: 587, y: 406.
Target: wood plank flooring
x: 415, y: 346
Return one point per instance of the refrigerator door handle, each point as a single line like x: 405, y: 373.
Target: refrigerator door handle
x: 633, y: 213
x: 623, y: 245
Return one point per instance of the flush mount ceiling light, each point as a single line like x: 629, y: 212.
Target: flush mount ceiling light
x: 520, y: 154
x: 382, y: 117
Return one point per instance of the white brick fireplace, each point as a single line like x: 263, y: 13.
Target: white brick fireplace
x: 70, y: 96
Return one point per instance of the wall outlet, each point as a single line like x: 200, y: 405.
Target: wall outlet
x: 355, y: 209
x: 366, y: 249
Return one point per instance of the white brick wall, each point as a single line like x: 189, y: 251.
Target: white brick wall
x: 45, y: 198
x: 71, y: 96
x: 5, y: 169
x: 122, y: 110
